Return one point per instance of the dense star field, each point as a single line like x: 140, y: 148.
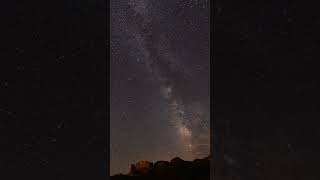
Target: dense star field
x: 159, y: 81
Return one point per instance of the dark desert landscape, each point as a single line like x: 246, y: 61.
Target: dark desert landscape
x: 175, y: 169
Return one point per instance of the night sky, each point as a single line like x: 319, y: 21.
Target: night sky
x: 54, y: 87
x: 53, y: 90
x: 160, y: 80
x: 266, y: 89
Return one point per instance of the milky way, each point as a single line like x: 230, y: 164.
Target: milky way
x: 169, y: 44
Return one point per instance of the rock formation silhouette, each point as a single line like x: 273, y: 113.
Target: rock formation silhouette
x: 176, y: 169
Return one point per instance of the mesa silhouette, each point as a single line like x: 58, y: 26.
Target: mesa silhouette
x: 176, y: 169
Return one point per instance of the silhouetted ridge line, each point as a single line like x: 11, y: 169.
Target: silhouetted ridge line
x: 176, y: 169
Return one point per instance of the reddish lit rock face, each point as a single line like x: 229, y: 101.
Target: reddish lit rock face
x: 144, y: 165
x: 140, y: 168
x: 132, y: 168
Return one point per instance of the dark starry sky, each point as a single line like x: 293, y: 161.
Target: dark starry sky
x: 159, y: 81
x: 53, y: 84
x: 266, y: 89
